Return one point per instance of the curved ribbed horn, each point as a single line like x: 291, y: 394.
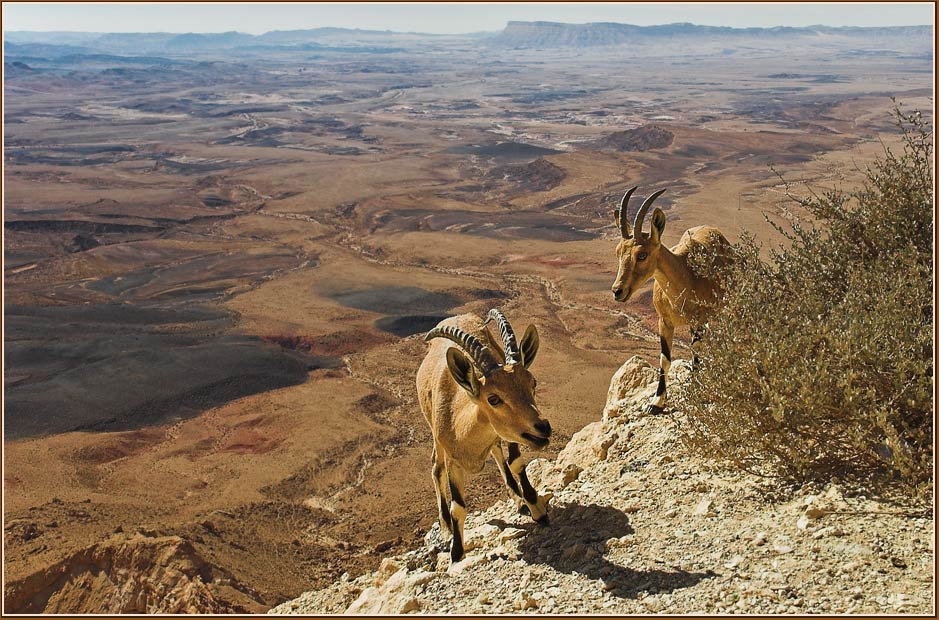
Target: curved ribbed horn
x: 621, y: 212
x: 509, y: 343
x: 481, y: 356
x: 641, y: 213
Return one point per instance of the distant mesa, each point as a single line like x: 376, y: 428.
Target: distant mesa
x: 645, y: 138
x: 519, y: 34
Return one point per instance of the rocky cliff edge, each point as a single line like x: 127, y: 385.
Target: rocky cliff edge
x: 639, y: 525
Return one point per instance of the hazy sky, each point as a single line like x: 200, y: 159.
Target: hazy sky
x: 442, y: 17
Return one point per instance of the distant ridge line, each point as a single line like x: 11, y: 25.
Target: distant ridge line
x: 559, y: 34
x: 518, y: 34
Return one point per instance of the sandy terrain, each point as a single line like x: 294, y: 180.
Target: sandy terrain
x: 217, y: 277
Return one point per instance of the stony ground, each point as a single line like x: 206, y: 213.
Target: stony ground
x: 640, y: 526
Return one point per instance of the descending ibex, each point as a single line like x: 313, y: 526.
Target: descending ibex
x: 474, y: 397
x: 680, y: 296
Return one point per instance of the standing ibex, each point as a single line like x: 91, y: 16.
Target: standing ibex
x: 680, y: 296
x: 474, y: 397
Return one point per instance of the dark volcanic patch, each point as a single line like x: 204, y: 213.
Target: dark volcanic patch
x: 645, y: 138
x: 122, y: 367
x: 537, y: 176
x: 406, y: 325
x: 503, y: 152
x: 503, y: 224
x: 409, y: 309
x: 77, y: 226
x: 397, y: 300
x: 546, y: 96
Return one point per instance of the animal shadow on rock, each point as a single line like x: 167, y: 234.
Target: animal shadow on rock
x: 576, y: 541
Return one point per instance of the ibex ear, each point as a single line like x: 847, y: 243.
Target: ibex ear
x: 658, y: 224
x: 529, y: 345
x: 462, y: 370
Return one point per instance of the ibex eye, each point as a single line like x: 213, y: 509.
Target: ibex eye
x: 641, y: 256
x: 494, y: 400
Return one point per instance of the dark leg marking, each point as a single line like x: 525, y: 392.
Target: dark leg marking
x: 665, y: 361
x: 510, y: 479
x: 529, y: 493
x: 444, y: 510
x: 666, y: 351
x: 456, y: 547
x: 456, y: 496
x: 438, y: 474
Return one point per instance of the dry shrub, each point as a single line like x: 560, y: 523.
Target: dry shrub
x: 820, y: 361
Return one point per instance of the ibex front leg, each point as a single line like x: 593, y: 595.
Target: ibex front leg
x: 457, y: 480
x: 439, y: 473
x: 537, y: 505
x: 525, y: 496
x: 666, y: 331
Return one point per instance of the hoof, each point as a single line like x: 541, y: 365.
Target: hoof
x: 654, y: 410
x: 524, y: 510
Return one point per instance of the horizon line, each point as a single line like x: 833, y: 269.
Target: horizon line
x: 444, y: 34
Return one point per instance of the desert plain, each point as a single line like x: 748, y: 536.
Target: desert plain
x: 219, y: 265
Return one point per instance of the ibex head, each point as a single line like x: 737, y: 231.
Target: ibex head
x: 637, y: 252
x: 503, y: 392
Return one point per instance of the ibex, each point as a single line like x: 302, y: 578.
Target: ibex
x: 680, y: 296
x: 475, y: 396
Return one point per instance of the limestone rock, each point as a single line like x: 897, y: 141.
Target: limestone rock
x: 510, y: 533
x: 588, y: 446
x: 387, y: 568
x: 631, y: 387
x: 410, y: 605
x: 397, y: 595
x: 570, y: 473
x: 703, y: 507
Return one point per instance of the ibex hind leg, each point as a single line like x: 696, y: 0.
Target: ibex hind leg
x: 666, y: 332
x: 695, y: 339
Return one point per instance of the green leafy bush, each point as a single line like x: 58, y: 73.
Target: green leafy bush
x: 820, y: 361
